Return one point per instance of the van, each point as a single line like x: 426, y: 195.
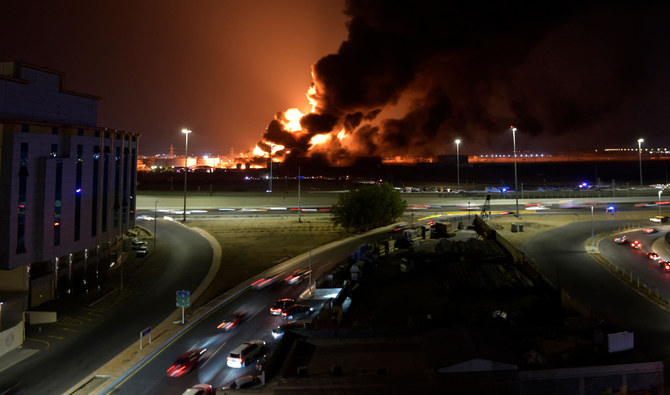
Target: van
x: 245, y: 353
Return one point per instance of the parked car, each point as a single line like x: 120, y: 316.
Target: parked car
x: 280, y: 305
x: 297, y: 276
x: 636, y: 244
x: 243, y: 382
x: 200, y: 389
x: 296, y: 311
x: 186, y: 362
x: 279, y: 331
x: 245, y: 353
x: 138, y: 242
x: 232, y: 321
x: 141, y: 253
x: 621, y: 239
x: 139, y: 246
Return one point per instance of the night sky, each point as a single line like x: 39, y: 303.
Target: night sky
x: 400, y: 78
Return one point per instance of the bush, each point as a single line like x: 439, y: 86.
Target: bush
x: 368, y: 207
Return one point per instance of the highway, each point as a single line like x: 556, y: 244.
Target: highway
x: 151, y: 377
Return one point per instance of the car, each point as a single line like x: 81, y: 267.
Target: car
x: 279, y: 331
x: 243, y: 382
x: 652, y: 255
x: 186, y: 362
x: 141, y: 253
x: 659, y: 219
x: 280, y: 305
x: 138, y: 242
x: 650, y: 230
x: 296, y: 311
x: 621, y: 239
x: 664, y: 265
x: 636, y: 244
x: 232, y: 321
x: 245, y: 353
x: 297, y: 276
x: 265, y: 281
x: 139, y: 247
x: 610, y: 209
x: 200, y: 389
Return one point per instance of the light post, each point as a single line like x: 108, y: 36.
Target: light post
x: 155, y: 226
x: 270, y: 181
x: 299, y: 210
x: 593, y: 242
x: 639, y: 153
x: 186, y: 133
x: 458, y: 166
x: 310, y: 256
x: 516, y: 186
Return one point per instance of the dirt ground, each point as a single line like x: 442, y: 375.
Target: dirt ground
x: 250, y: 246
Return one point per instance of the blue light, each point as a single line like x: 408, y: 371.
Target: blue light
x: 78, y: 190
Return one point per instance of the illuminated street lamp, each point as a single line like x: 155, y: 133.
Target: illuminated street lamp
x: 186, y: 133
x: 516, y: 186
x: 458, y: 167
x: 639, y: 152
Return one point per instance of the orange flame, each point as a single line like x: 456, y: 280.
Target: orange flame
x: 319, y: 139
x: 291, y: 120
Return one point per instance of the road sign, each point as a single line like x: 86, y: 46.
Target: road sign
x: 183, y: 298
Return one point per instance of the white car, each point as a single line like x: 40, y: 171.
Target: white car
x: 245, y: 353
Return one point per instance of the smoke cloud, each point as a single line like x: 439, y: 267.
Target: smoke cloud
x: 413, y: 75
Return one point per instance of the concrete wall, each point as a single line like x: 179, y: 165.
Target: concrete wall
x: 12, y: 338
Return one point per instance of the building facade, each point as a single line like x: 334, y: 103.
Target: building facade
x: 67, y: 187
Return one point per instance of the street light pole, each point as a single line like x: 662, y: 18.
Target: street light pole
x: 270, y: 182
x: 639, y: 152
x: 593, y: 242
x: 310, y: 256
x: 299, y: 210
x: 458, y: 166
x: 155, y: 226
x: 186, y: 133
x: 516, y: 185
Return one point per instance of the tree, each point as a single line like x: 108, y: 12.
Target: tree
x: 368, y: 207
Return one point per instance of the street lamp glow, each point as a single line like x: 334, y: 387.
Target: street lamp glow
x: 516, y: 185
x: 639, y: 152
x: 186, y: 133
x: 458, y: 166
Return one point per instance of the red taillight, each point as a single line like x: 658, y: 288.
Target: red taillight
x: 257, y: 281
x: 288, y: 278
x: 265, y: 282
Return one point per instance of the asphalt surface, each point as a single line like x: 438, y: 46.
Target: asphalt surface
x: 91, y: 330
x: 150, y: 375
x: 560, y: 254
x: 93, y: 335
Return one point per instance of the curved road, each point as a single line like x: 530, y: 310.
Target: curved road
x: 80, y: 352
x: 566, y: 264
